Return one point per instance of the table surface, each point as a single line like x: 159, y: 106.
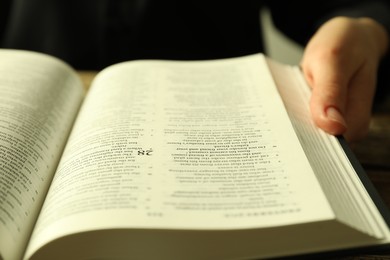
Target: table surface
x: 373, y: 153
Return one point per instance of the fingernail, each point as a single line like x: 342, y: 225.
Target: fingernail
x: 334, y: 114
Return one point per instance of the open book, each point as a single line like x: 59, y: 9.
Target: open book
x: 210, y: 159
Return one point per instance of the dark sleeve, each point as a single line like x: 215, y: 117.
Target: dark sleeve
x: 5, y: 6
x: 299, y: 20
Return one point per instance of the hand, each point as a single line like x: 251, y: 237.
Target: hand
x: 340, y: 64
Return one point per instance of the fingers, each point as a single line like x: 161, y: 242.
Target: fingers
x: 359, y: 103
x: 340, y: 64
x: 341, y: 98
x: 329, y: 95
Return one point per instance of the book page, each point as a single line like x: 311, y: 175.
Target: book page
x: 39, y: 99
x: 182, y: 145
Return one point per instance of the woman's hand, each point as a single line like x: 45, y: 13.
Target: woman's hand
x: 340, y: 64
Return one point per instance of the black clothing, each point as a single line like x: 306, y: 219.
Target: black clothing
x: 92, y: 34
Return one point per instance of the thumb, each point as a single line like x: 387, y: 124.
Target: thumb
x: 328, y: 100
